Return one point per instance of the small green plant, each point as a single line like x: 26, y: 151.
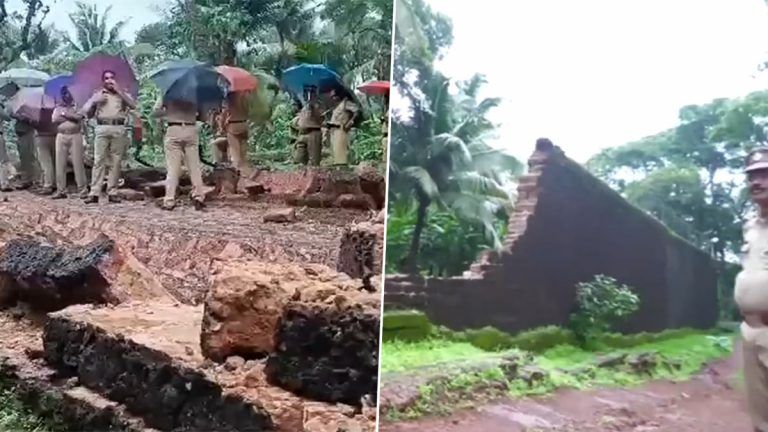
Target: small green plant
x: 602, y: 303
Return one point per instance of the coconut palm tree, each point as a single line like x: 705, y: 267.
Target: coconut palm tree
x: 439, y: 152
x: 445, y: 161
x: 91, y: 28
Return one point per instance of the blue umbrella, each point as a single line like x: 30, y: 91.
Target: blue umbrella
x: 190, y: 81
x: 54, y: 85
x: 296, y: 78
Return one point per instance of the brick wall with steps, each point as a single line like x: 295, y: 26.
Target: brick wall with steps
x: 567, y: 227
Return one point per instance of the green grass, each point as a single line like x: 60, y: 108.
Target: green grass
x: 683, y: 353
x: 401, y: 356
x: 15, y: 417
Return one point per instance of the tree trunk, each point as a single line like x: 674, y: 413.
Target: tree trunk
x: 411, y: 264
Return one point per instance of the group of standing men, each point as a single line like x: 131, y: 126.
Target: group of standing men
x: 309, y: 124
x: 46, y: 144
x: 61, y: 138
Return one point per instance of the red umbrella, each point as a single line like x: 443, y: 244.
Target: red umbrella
x: 32, y: 104
x: 375, y: 88
x: 239, y: 79
x: 88, y: 76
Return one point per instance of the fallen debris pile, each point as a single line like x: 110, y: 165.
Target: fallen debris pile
x: 327, y: 346
x: 49, y: 277
x: 319, y: 328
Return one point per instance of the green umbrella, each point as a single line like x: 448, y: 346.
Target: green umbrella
x: 24, y: 77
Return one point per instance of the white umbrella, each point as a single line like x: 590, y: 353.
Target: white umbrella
x: 24, y: 77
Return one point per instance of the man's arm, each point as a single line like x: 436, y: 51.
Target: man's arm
x: 158, y: 110
x: 353, y: 111
x: 127, y: 99
x: 89, y: 109
x: 58, y: 116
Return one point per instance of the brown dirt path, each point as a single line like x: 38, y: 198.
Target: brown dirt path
x: 181, y: 246
x: 709, y: 402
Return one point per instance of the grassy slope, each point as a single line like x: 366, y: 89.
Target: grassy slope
x: 689, y: 351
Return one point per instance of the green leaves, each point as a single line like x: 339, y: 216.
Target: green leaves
x: 601, y: 303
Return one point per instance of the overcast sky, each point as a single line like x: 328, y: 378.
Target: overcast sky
x: 140, y: 12
x: 599, y: 73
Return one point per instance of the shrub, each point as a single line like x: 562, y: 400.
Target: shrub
x: 601, y: 304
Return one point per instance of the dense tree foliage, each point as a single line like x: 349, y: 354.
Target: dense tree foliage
x: 690, y: 177
x: 446, y: 183
x: 264, y: 36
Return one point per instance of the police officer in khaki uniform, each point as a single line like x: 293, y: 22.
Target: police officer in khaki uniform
x: 236, y: 113
x: 751, y: 292
x: 25, y: 144
x: 69, y: 144
x: 309, y: 144
x: 45, y: 142
x: 342, y: 120
x: 181, y: 145
x: 219, y: 142
x: 110, y: 106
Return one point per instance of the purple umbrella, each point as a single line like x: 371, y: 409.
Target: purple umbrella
x: 88, y: 73
x: 54, y: 85
x: 31, y: 104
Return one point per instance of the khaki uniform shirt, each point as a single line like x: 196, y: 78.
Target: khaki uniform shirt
x: 109, y: 106
x: 65, y: 125
x: 751, y: 289
x: 176, y: 112
x: 309, y: 118
x: 343, y: 112
x: 237, y: 107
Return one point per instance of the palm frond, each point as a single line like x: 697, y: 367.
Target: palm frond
x: 478, y: 184
x: 423, y: 180
x: 452, y: 146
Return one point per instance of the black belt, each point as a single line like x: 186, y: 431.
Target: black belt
x: 115, y: 122
x: 311, y: 129
x: 236, y: 121
x: 181, y: 124
x: 333, y: 126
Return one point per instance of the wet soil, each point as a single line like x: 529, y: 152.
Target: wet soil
x: 183, y: 247
x: 712, y: 401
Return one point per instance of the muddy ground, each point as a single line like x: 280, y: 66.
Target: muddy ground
x: 712, y: 401
x: 181, y: 246
x: 184, y: 249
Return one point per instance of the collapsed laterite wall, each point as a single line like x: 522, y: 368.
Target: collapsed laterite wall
x: 567, y: 227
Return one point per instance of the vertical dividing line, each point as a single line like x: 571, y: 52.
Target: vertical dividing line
x: 386, y: 210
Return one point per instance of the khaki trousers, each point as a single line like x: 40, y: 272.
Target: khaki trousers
x: 70, y: 146
x: 181, y: 146
x: 25, y: 143
x: 108, y: 150
x: 308, y: 148
x: 237, y: 137
x: 756, y: 381
x: 46, y: 146
x: 339, y: 146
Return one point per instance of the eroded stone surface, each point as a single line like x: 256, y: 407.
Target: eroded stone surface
x: 246, y: 301
x: 51, y: 277
x: 361, y: 250
x: 148, y: 357
x: 285, y: 215
x: 327, y: 346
